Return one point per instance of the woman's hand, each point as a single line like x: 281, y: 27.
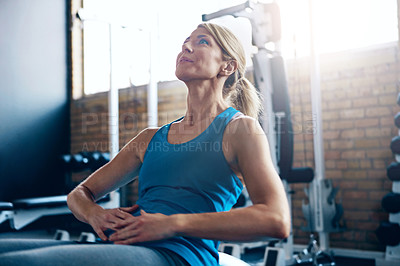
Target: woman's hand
x: 104, y: 219
x: 147, y: 227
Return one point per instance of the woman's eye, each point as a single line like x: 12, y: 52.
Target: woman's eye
x: 203, y: 41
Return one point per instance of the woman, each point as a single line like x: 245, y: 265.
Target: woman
x: 191, y: 171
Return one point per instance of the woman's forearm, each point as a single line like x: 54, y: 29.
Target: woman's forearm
x: 81, y: 202
x: 245, y: 224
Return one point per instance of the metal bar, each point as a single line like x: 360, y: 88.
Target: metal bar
x: 318, y: 134
x: 152, y: 88
x: 227, y: 11
x: 113, y: 106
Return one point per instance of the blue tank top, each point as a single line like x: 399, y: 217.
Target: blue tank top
x: 191, y: 177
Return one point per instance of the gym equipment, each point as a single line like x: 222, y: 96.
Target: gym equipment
x: 98, y: 159
x: 228, y: 260
x: 61, y: 235
x: 87, y: 237
x: 266, y: 28
x: 388, y: 233
x: 231, y: 249
x: 395, y: 145
x: 398, y: 99
x: 75, y: 162
x: 6, y: 210
x: 393, y: 171
x: 84, y: 161
x: 283, y: 122
x: 313, y: 254
x: 300, y: 175
x: 274, y: 257
x: 332, y: 211
x: 22, y: 212
x: 391, y: 202
x: 270, y: 79
x: 397, y: 120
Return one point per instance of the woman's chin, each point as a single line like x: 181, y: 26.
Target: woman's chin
x: 182, y: 76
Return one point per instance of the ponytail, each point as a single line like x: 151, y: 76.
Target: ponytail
x: 247, y: 99
x: 244, y: 97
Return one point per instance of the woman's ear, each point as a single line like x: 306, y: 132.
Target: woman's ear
x: 229, y: 68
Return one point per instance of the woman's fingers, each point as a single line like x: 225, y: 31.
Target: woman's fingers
x: 124, y: 223
x: 129, y: 229
x: 121, y: 214
x: 129, y: 209
x: 109, y: 219
x: 128, y: 233
x: 101, y: 235
x: 147, y: 227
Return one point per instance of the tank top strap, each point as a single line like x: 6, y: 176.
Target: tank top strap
x: 228, y: 115
x: 233, y: 113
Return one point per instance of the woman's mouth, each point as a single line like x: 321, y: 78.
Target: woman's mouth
x: 185, y: 59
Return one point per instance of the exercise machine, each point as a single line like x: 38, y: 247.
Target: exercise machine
x: 388, y: 232
x: 265, y: 22
x: 322, y: 213
x: 22, y: 212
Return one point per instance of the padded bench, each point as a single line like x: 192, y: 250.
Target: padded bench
x: 300, y: 175
x: 22, y: 212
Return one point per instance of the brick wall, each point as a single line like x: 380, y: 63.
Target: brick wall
x: 359, y: 91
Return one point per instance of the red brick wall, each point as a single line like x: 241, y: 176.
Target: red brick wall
x: 359, y: 91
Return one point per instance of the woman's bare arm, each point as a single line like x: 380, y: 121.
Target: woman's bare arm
x: 116, y: 173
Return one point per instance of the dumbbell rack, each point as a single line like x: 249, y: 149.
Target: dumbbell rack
x: 22, y: 212
x: 388, y: 233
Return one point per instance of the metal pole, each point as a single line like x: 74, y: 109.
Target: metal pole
x: 318, y: 134
x: 113, y: 106
x: 152, y: 88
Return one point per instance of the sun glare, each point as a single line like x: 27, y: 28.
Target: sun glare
x: 338, y: 24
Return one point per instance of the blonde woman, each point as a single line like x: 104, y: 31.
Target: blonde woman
x: 191, y: 172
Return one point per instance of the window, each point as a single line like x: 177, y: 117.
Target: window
x: 340, y: 25
x: 130, y: 45
x: 114, y: 42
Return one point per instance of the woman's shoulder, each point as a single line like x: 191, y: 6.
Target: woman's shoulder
x: 147, y: 134
x: 242, y: 131
x: 139, y: 143
x: 243, y: 125
x: 143, y: 137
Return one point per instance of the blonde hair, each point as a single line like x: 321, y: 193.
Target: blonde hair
x: 238, y: 90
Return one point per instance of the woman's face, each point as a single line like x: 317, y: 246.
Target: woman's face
x: 201, y: 57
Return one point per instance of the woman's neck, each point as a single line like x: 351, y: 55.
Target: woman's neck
x: 203, y: 102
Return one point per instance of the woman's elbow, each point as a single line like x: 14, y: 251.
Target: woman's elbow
x: 70, y: 199
x: 283, y: 227
x: 280, y: 226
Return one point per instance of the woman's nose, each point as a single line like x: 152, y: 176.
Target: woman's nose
x: 187, y: 47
